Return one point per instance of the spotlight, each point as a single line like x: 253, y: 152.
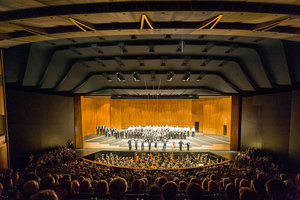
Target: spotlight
x: 119, y: 61
x: 82, y: 62
x: 153, y: 76
x: 151, y: 47
x: 99, y: 61
x: 163, y: 61
x: 120, y: 77
x: 186, y: 76
x: 207, y: 60
x: 170, y: 76
x: 234, y: 47
x: 186, y: 60
x: 122, y: 47
x: 107, y: 77
x: 136, y: 76
x: 141, y: 61
x: 133, y: 37
x: 201, y: 76
x: 180, y: 46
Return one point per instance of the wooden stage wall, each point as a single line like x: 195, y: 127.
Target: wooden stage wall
x: 212, y: 114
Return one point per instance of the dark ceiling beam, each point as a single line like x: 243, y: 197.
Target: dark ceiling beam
x: 94, y: 92
x: 220, y: 75
x: 133, y: 57
x: 158, y: 25
x: 144, y: 6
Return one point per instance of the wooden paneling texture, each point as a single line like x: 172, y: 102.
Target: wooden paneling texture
x: 78, y: 122
x: 116, y: 113
x: 197, y: 113
x: 211, y: 114
x: 95, y: 111
x: 175, y: 112
x: 235, y: 123
x: 216, y: 114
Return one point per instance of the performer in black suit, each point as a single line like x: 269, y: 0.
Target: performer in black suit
x: 165, y: 144
x: 149, y: 144
x: 129, y: 144
x: 180, y: 145
x: 155, y: 143
x: 188, y: 146
x: 136, y: 144
x: 98, y: 129
x: 142, y: 144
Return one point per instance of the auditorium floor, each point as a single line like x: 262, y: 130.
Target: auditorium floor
x: 200, y: 143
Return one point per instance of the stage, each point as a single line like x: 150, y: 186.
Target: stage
x: 217, y: 144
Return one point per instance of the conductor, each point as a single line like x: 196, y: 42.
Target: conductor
x: 129, y: 144
x: 188, y: 146
x: 180, y: 145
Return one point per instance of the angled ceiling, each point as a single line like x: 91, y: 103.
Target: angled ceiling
x: 157, y: 49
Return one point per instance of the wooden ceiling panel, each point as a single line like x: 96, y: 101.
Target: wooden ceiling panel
x: 8, y: 5
x: 44, y: 22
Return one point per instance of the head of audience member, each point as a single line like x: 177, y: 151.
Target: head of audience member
x: 248, y: 194
x: 194, y: 191
x: 101, y: 188
x: 118, y: 188
x: 75, y: 186
x: 182, y: 185
x: 154, y: 193
x: 169, y: 190
x: 276, y: 189
x: 45, y: 195
x: 56, y: 178
x: 291, y: 189
x: 161, y: 182
x: 244, y: 183
x: 213, y: 186
x: 176, y: 180
x: 194, y: 180
x: 30, y: 188
x: 231, y: 192
x: 85, y: 185
x: 80, y: 178
x: 205, y: 184
x: 93, y: 183
x: 1, y: 189
x: 47, y: 182
x: 259, y: 186
x: 32, y: 176
x: 7, y: 182
x: 136, y: 185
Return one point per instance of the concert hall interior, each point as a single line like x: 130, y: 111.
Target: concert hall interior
x: 180, y: 76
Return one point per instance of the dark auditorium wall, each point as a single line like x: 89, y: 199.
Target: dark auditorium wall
x: 37, y: 122
x: 271, y: 122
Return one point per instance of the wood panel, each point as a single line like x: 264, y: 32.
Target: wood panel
x: 211, y: 114
x: 116, y: 113
x: 216, y: 114
x: 78, y: 122
x: 235, y: 123
x: 175, y: 112
x: 197, y: 113
x: 95, y: 111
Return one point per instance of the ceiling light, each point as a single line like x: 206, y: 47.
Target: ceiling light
x: 122, y: 47
x: 141, y: 61
x: 186, y: 60
x: 99, y: 61
x: 201, y: 76
x: 120, y: 77
x: 119, y: 61
x: 207, y: 60
x: 180, y: 46
x: 153, y: 76
x: 107, y: 77
x: 170, y: 76
x: 186, y: 76
x: 136, y: 76
x: 163, y: 61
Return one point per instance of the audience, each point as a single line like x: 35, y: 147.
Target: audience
x: 80, y: 179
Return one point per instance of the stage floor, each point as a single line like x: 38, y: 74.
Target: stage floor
x: 217, y: 144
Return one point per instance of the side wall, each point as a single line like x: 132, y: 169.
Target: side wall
x: 212, y: 114
x: 37, y: 122
x: 271, y: 122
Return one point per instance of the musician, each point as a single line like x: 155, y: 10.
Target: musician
x: 193, y: 132
x: 142, y: 144
x: 188, y: 144
x: 136, y: 144
x: 180, y: 145
x: 149, y: 144
x: 97, y: 128
x: 129, y: 144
